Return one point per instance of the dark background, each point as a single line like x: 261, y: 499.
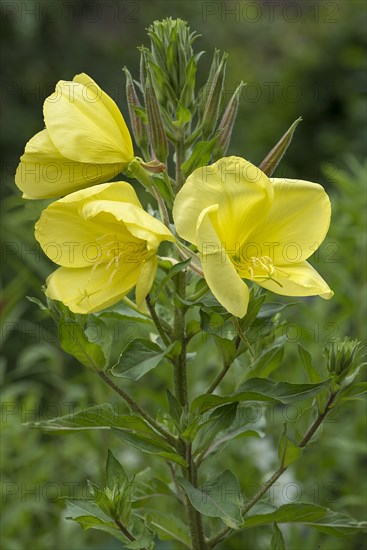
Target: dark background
x: 298, y: 58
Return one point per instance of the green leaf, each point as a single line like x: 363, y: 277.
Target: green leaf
x: 267, y: 311
x: 102, y: 417
x: 168, y: 526
x: 288, y: 450
x: 271, y: 161
x: 353, y: 392
x: 77, y: 508
x: 227, y: 349
x: 277, y: 541
x: 91, y: 522
x: 312, y: 515
x: 312, y: 373
x: 115, y: 474
x: 40, y: 304
x: 230, y: 435
x: 74, y: 341
x: 149, y: 443
x: 218, y: 420
x: 267, y: 362
x: 174, y: 407
x: 139, y: 357
x: 218, y: 498
x: 200, y: 156
x: 252, y: 311
x: 141, y: 112
x: 183, y: 116
x: 262, y: 389
x: 176, y: 268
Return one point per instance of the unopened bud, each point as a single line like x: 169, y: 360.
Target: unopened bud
x: 213, y: 99
x: 342, y: 358
x: 271, y: 161
x: 226, y: 124
x: 138, y: 127
x: 156, y: 130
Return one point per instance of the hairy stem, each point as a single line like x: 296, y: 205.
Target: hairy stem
x: 223, y: 372
x: 180, y: 374
x: 126, y: 532
x: 227, y: 531
x: 180, y: 158
x: 136, y: 408
x: 157, y: 321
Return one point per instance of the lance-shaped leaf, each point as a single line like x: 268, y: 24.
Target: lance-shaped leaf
x: 262, y: 389
x: 139, y: 357
x: 217, y: 498
x: 75, y: 341
x: 226, y: 124
x: 115, y: 474
x: 168, y: 526
x: 288, y: 450
x: 200, y: 156
x: 271, y: 161
x: 98, y: 417
x: 267, y: 362
x: 148, y: 443
x: 157, y: 133
x: 137, y: 124
x: 277, y: 541
x: 176, y: 268
x: 312, y: 515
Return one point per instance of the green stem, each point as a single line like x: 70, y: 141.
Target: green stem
x: 199, y: 294
x: 180, y: 378
x: 219, y: 378
x: 162, y: 207
x: 180, y: 158
x: 126, y: 532
x: 223, y: 372
x: 136, y: 408
x: 227, y: 531
x: 157, y: 321
x: 180, y: 375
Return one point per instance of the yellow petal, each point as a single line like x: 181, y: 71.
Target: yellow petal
x: 297, y: 280
x: 145, y: 280
x: 85, y: 290
x: 85, y: 124
x: 70, y: 240
x: 119, y: 191
x: 296, y: 224
x: 44, y: 173
x: 220, y: 274
x: 140, y: 224
x: 242, y: 191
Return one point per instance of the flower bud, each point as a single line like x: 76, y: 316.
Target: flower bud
x: 213, y: 99
x: 156, y: 130
x: 271, y: 161
x: 170, y: 54
x: 342, y: 358
x: 138, y: 126
x: 226, y: 124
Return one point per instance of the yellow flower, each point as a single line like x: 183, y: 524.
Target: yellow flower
x: 247, y: 226
x: 105, y: 243
x: 86, y: 141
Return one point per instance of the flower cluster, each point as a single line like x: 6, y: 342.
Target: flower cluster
x: 240, y: 223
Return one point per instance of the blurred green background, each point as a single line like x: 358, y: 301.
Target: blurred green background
x: 298, y: 58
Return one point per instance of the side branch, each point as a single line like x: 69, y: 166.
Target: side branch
x: 227, y: 531
x: 134, y: 406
